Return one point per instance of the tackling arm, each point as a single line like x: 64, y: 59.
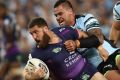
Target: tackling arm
x: 97, y: 32
x: 115, y: 32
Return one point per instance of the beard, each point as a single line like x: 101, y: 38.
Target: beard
x: 45, y: 41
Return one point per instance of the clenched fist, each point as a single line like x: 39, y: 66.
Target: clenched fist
x: 71, y: 45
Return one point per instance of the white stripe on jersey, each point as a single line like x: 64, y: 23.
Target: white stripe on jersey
x: 93, y: 28
x: 85, y: 22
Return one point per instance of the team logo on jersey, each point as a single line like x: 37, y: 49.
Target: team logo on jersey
x: 85, y: 77
x: 62, y: 29
x: 56, y: 50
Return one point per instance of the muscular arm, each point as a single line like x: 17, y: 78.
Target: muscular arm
x: 82, y: 41
x: 115, y: 32
x: 97, y: 32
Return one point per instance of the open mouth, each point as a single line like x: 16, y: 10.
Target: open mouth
x: 61, y: 22
x: 37, y: 43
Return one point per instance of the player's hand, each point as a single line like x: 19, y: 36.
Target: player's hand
x: 34, y: 74
x: 70, y: 45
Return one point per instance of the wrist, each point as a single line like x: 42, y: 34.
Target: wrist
x: 77, y: 42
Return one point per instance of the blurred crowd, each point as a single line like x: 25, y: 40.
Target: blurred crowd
x: 15, y: 40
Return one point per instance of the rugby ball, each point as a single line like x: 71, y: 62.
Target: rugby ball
x: 35, y: 63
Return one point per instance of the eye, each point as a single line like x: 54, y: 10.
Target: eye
x: 60, y: 13
x: 55, y: 15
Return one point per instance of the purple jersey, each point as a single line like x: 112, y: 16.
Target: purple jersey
x: 65, y: 65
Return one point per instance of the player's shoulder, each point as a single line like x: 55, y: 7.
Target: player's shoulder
x: 62, y: 29
x: 88, y: 16
x: 85, y: 17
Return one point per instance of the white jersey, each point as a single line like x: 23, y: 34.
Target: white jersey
x: 88, y: 22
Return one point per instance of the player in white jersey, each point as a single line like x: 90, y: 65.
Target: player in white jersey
x: 115, y: 30
x: 65, y: 16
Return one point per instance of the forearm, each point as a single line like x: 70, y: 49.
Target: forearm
x: 98, y: 33
x: 89, y: 42
x: 114, y: 34
x: 103, y: 53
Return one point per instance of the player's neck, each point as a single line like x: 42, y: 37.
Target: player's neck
x: 54, y: 38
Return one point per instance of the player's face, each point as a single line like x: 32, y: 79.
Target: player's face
x: 63, y: 16
x: 40, y: 36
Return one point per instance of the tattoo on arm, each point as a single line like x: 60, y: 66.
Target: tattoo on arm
x: 98, y: 33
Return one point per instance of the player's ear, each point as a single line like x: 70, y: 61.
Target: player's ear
x: 45, y: 28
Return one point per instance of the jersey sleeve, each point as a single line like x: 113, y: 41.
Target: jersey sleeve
x: 90, y: 22
x: 74, y: 33
x: 116, y: 12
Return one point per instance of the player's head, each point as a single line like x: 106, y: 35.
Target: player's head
x: 64, y: 13
x: 39, y: 31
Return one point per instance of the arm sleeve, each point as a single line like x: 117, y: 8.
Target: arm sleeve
x: 116, y: 12
x: 89, y: 42
x: 90, y: 22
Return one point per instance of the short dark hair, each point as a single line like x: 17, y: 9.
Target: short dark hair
x: 2, y: 5
x: 40, y: 22
x: 64, y: 2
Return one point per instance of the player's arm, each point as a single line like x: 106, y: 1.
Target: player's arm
x: 92, y: 41
x: 115, y: 32
x: 97, y: 32
x: 83, y: 41
x: 86, y: 41
x: 93, y: 27
x: 103, y: 53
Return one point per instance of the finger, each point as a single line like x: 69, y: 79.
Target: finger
x: 66, y: 43
x: 70, y: 49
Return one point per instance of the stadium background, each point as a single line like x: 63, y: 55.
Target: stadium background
x: 22, y: 11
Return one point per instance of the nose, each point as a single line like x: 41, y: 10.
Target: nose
x: 58, y: 17
x: 34, y: 36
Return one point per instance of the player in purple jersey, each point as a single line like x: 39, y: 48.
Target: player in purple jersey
x: 64, y: 65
